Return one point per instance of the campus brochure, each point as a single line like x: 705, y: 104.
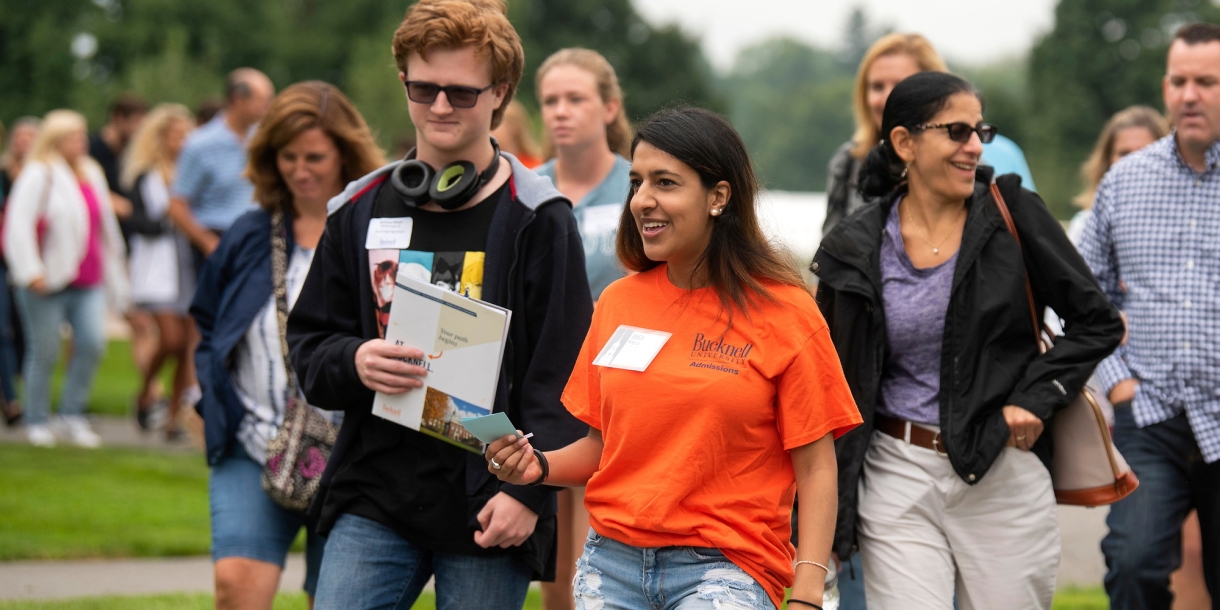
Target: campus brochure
x: 463, y: 343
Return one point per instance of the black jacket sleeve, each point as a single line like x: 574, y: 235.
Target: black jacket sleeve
x: 1061, y: 280
x: 557, y: 311
x: 324, y: 330
x: 140, y: 222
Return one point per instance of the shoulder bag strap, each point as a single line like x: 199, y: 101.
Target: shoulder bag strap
x: 1012, y: 228
x: 279, y: 281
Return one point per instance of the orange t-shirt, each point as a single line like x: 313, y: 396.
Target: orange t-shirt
x: 696, y: 446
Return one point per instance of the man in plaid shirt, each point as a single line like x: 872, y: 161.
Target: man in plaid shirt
x: 1154, y: 243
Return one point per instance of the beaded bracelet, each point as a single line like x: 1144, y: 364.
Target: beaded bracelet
x: 814, y: 563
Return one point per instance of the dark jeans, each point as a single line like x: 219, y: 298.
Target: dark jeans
x: 1144, y: 545
x: 8, y: 340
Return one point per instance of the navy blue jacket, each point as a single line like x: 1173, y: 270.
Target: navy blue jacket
x: 234, y: 285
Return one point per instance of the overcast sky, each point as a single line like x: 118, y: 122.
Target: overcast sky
x: 964, y: 31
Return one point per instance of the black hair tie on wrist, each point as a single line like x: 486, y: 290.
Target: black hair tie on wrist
x: 803, y: 602
x: 546, y: 471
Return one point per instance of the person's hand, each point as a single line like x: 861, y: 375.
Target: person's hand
x: 1024, y: 427
x: 506, y: 522
x: 121, y: 206
x: 1124, y: 390
x: 38, y: 286
x: 512, y: 460
x: 208, y: 243
x: 381, y: 367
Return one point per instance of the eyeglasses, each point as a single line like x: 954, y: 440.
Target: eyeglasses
x: 960, y: 132
x: 458, y: 96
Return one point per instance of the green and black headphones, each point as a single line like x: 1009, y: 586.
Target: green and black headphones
x: 451, y: 187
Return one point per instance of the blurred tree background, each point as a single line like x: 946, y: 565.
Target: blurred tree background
x: 790, y: 100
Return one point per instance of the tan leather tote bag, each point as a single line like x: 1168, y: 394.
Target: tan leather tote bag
x: 1087, y: 469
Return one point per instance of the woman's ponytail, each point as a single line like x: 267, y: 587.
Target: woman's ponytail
x: 880, y: 173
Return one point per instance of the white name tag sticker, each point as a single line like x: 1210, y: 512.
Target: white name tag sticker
x: 631, y: 348
x: 389, y: 233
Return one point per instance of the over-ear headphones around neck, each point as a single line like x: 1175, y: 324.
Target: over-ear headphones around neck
x: 451, y: 188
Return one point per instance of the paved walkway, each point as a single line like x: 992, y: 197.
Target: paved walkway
x: 1081, y: 564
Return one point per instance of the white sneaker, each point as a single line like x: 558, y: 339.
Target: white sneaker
x: 40, y: 435
x: 81, y: 434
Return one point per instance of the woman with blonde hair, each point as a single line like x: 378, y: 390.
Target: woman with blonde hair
x: 64, y: 252
x: 587, y: 133
x: 160, y: 263
x: 311, y: 143
x: 1129, y: 130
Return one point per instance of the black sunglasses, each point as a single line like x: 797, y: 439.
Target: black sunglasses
x: 960, y: 132
x: 458, y: 96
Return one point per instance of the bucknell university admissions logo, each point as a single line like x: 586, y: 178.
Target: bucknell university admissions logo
x: 718, y: 350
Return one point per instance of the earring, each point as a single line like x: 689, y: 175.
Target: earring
x: 905, y: 169
x: 715, y: 211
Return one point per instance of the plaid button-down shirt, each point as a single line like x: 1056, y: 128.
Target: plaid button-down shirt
x: 1154, y: 243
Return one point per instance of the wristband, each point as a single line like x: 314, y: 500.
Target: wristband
x: 803, y: 602
x: 546, y: 468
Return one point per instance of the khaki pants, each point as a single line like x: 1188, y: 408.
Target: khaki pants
x: 924, y: 532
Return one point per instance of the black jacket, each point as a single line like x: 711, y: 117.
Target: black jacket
x: 989, y: 358
x: 534, y: 266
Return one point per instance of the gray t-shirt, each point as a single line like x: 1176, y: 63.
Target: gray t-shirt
x: 598, y: 216
x: 915, y: 303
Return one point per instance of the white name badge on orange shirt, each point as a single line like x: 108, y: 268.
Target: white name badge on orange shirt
x: 631, y: 348
x: 389, y: 233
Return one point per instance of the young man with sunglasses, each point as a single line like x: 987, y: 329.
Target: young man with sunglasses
x: 398, y: 506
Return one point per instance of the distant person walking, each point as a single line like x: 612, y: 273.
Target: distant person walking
x: 1127, y: 131
x: 109, y: 145
x: 1152, y: 242
x: 587, y: 128
x: 211, y: 191
x: 886, y: 63
x: 312, y: 142
x: 64, y: 250
x: 160, y: 263
x: 942, y: 488
x: 17, y: 150
x: 12, y: 338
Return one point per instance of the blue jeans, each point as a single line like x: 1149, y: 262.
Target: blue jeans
x: 246, y: 523
x: 617, y: 576
x: 368, y: 566
x: 1145, y: 541
x: 84, y: 309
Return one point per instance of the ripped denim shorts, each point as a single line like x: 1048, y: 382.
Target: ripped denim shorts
x: 611, y: 575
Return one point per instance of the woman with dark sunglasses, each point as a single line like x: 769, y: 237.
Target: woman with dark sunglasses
x: 944, y: 486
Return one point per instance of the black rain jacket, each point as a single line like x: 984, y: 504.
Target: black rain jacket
x: 989, y: 358
x: 534, y: 266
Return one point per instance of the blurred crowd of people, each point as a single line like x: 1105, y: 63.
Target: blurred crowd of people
x: 205, y: 229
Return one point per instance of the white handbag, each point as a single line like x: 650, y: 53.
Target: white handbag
x: 1087, y: 469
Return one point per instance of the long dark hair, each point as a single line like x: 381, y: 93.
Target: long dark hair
x: 738, y: 256
x: 914, y: 101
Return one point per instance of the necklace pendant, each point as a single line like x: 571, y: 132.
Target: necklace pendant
x: 935, y: 250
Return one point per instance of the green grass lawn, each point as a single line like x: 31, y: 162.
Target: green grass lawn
x: 116, y: 383
x: 76, y: 503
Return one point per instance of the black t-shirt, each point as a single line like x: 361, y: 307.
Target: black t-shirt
x: 410, y: 482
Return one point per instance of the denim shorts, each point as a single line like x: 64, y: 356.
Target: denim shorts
x: 247, y: 523
x: 611, y: 575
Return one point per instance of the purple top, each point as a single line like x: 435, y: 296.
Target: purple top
x: 915, y: 302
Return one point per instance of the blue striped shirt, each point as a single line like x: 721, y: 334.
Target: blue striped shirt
x: 210, y: 175
x: 1154, y: 243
